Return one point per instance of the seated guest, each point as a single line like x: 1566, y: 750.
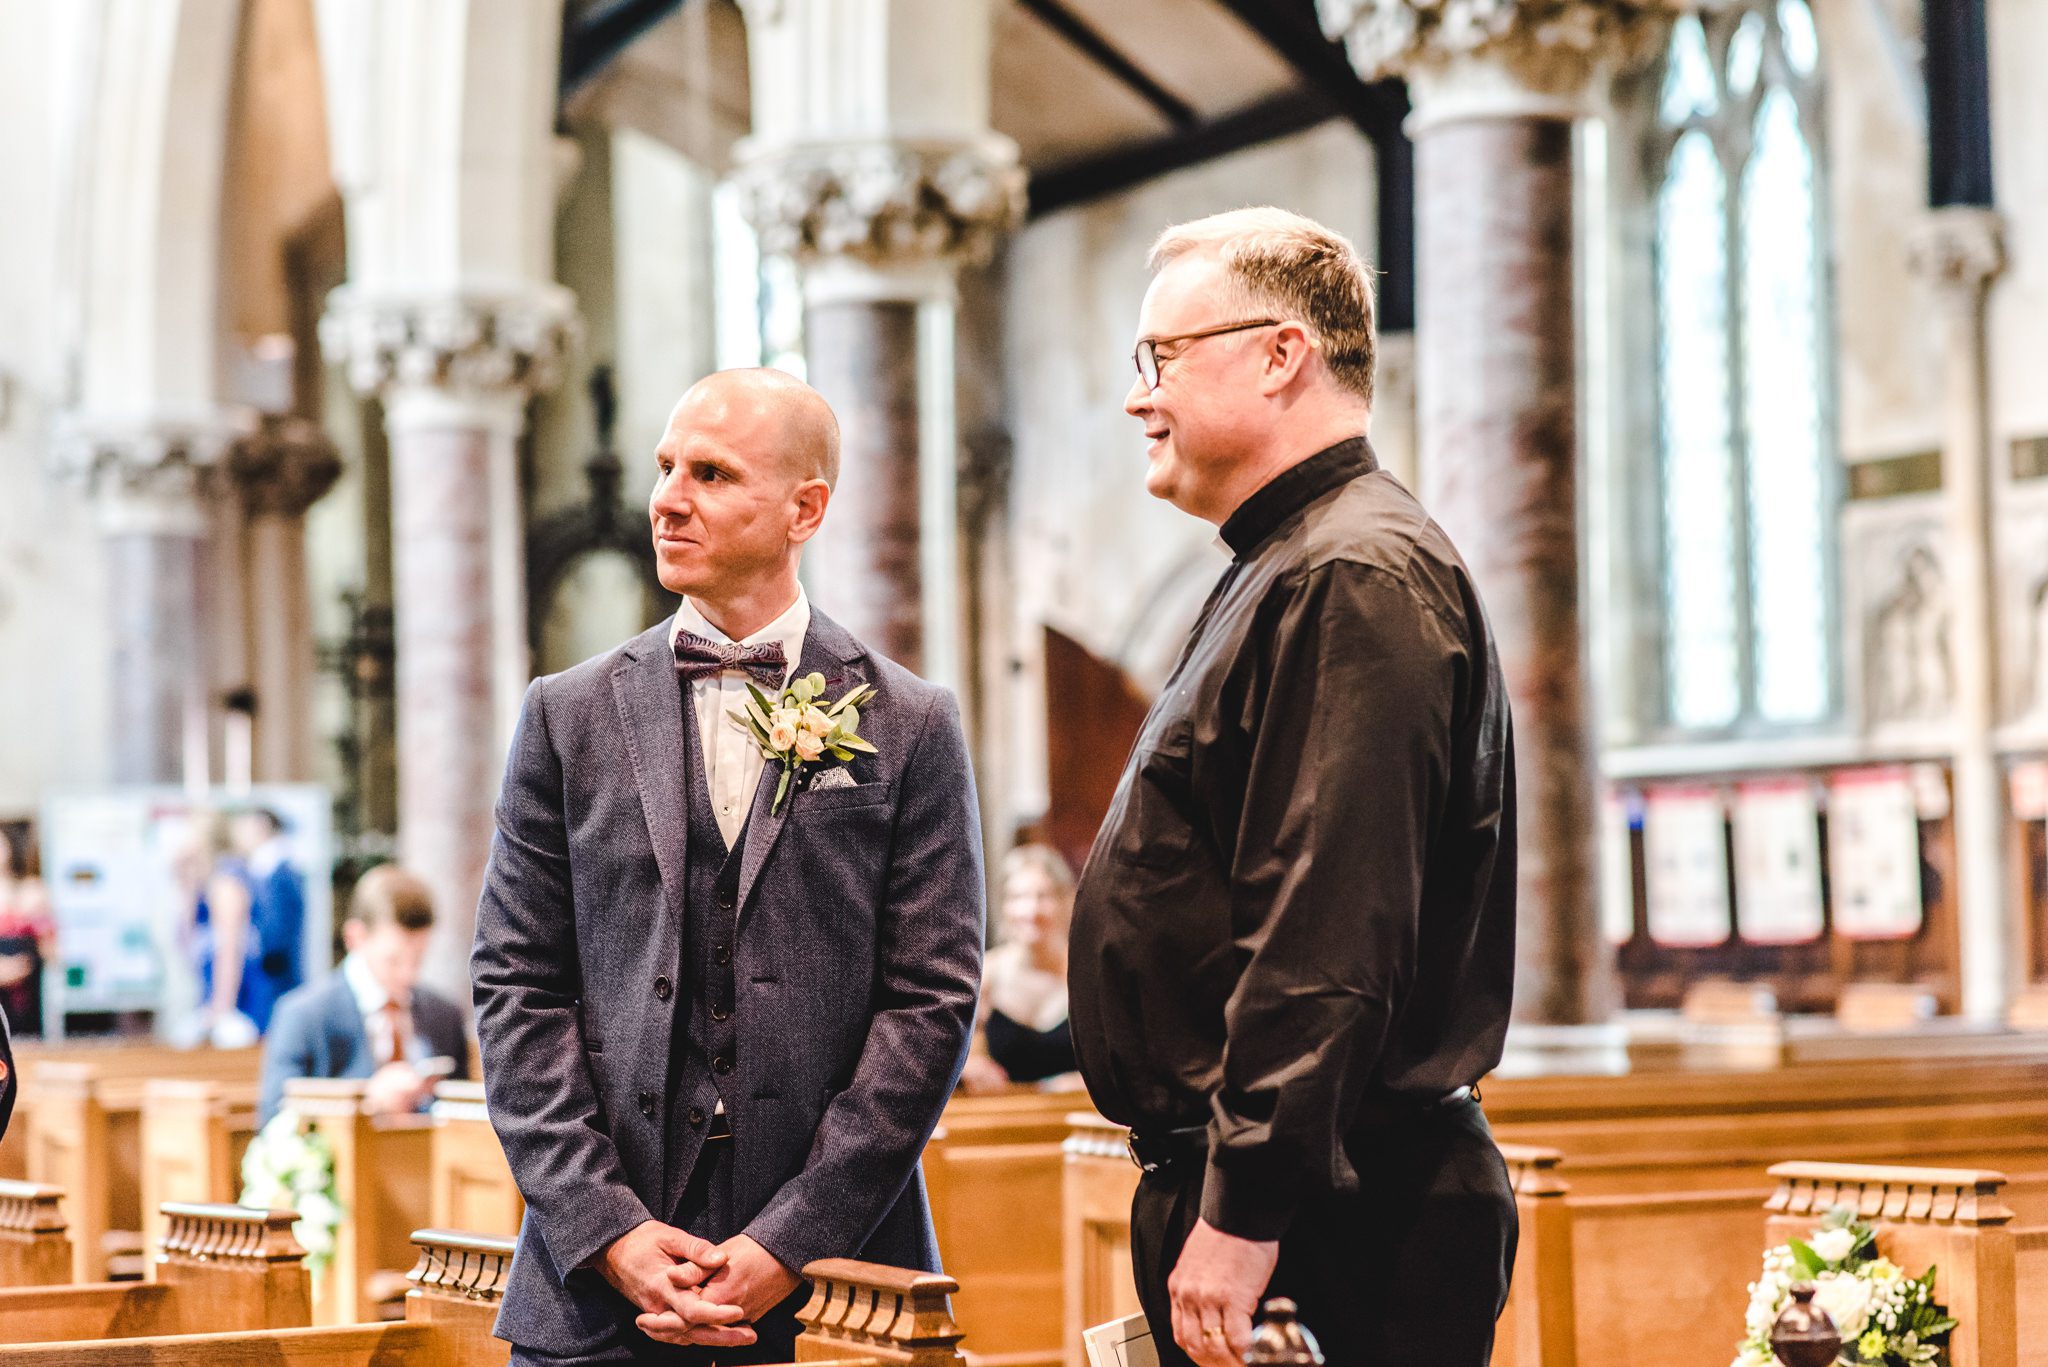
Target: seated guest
x: 371, y: 1019
x: 1022, y: 1034
x: 28, y: 937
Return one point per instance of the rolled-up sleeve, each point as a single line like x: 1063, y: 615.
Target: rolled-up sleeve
x: 1345, y: 768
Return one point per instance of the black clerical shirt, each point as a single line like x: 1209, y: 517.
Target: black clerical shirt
x: 1303, y: 896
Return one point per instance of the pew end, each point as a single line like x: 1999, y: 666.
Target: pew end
x: 1954, y: 1219
x: 457, y: 1286
x: 1539, y: 1327
x: 35, y: 1243
x: 864, y: 1312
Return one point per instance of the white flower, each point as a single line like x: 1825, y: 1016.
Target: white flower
x: 809, y: 747
x: 817, y: 723
x: 1846, y: 1297
x: 782, y: 736
x: 1833, y: 1245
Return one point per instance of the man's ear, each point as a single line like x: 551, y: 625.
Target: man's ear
x: 1288, y: 350
x: 353, y: 933
x: 809, y: 500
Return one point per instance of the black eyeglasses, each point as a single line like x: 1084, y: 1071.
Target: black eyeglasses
x: 1146, y: 357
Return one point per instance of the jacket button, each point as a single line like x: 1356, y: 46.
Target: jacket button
x: 661, y: 988
x: 719, y: 1014
x: 721, y: 1065
x: 725, y: 954
x: 648, y: 1102
x: 696, y: 1117
x: 725, y: 900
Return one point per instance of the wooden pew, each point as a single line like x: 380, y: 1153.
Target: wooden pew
x: 1539, y: 1326
x: 472, y: 1182
x: 994, y: 1171
x: 1993, y: 1273
x: 1098, y: 1181
x: 382, y: 1171
x: 35, y: 1249
x: 194, y: 1134
x: 859, y: 1315
x: 221, y: 1267
x: 83, y: 1134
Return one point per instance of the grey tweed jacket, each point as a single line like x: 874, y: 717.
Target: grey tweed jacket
x: 856, y: 965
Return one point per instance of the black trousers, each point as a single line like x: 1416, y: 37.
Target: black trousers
x: 706, y: 1211
x: 1412, y: 1271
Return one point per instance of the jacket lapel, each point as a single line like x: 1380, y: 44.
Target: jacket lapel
x: 650, y: 703
x: 829, y: 649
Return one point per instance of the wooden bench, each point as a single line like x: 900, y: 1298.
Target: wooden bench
x: 221, y: 1267
x: 471, y: 1180
x: 382, y: 1172
x: 859, y: 1315
x: 35, y: 1246
x: 994, y: 1169
x: 84, y: 1134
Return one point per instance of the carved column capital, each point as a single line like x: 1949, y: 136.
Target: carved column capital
x: 1959, y: 248
x: 152, y: 475
x: 1472, y: 58
x: 463, y: 343
x: 883, y: 203
x: 284, y: 467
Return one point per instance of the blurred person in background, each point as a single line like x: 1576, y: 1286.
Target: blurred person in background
x: 28, y: 935
x: 372, y: 1018
x: 277, y: 912
x: 203, y: 939
x: 1022, y: 1033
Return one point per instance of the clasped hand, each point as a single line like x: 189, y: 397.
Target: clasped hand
x: 690, y: 1290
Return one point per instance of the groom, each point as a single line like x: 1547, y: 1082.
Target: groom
x: 718, y: 1028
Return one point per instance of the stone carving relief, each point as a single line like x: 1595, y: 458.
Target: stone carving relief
x: 284, y: 467
x: 2023, y: 609
x: 884, y: 203
x: 1895, y: 574
x: 477, y: 343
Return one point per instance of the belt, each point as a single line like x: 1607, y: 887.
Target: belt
x: 1165, y: 1150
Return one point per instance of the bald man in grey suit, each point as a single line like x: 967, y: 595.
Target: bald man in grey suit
x: 719, y: 1017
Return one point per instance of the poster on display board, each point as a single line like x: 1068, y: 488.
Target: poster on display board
x: 1874, y: 854
x: 1778, y: 897
x: 1685, y: 854
x: 128, y: 871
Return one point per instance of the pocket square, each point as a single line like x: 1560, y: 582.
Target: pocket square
x: 832, y: 778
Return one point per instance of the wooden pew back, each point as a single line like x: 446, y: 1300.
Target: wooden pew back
x: 472, y: 1182
x: 1538, y: 1327
x: 222, y: 1267
x: 194, y: 1133
x: 382, y: 1171
x: 35, y: 1249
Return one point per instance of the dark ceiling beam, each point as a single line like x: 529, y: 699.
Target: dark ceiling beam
x: 1083, y: 38
x: 1061, y: 187
x: 597, y: 33
x: 1290, y: 29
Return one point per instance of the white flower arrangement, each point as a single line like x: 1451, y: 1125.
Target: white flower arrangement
x: 291, y: 1168
x: 1885, y: 1318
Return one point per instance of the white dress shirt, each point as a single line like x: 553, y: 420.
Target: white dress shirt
x: 732, y: 761
x: 378, y: 1022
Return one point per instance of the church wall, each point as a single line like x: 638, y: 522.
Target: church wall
x: 1091, y: 552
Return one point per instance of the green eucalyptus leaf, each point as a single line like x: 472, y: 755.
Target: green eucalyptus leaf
x: 781, y: 788
x: 856, y: 743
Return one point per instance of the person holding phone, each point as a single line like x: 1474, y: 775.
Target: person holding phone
x: 373, y: 1018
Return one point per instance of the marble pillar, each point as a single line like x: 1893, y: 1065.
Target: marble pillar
x: 280, y: 470
x: 454, y: 375
x: 1961, y: 250
x: 879, y: 188
x: 150, y: 487
x: 1496, y: 88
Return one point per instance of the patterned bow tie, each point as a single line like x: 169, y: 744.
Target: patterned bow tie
x: 697, y: 658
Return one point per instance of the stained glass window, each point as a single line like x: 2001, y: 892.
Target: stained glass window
x: 1743, y: 432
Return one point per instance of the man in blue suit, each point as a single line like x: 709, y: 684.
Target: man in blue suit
x: 719, y: 1017
x: 277, y: 913
x: 371, y: 1018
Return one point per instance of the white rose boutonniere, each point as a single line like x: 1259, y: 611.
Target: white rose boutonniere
x: 802, y: 730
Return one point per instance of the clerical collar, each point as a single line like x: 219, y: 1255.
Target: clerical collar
x: 1293, y: 489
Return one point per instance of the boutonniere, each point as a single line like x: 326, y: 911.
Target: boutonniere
x: 801, y: 730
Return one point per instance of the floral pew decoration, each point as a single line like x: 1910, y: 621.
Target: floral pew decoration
x: 1885, y: 1317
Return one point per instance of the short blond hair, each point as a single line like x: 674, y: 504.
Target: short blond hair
x: 1297, y: 268
x: 390, y: 895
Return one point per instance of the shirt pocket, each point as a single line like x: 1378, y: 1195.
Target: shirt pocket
x: 1154, y: 820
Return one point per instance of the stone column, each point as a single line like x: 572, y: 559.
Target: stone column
x: 151, y: 488
x: 1961, y: 250
x: 280, y: 470
x: 879, y: 187
x: 454, y: 376
x: 1496, y: 87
